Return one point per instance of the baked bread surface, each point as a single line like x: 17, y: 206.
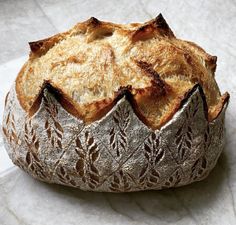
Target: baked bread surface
x: 116, y: 108
x: 96, y: 62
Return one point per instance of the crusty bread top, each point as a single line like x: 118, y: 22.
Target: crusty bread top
x: 95, y: 62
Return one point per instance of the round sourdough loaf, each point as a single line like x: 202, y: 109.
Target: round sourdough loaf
x: 116, y: 108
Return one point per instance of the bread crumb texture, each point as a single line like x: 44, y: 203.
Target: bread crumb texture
x: 94, y: 61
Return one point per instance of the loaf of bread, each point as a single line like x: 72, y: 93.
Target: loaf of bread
x: 116, y: 108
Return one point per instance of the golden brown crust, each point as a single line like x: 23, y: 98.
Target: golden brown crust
x: 40, y: 47
x: 90, y: 66
x: 209, y: 59
x: 214, y: 112
x: 61, y: 97
x: 157, y: 83
x: 20, y: 95
x: 155, y: 27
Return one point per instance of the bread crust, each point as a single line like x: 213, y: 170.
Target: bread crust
x: 116, y: 108
x: 164, y: 67
x: 117, y: 153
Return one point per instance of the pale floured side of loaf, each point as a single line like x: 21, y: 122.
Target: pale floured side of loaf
x: 117, y: 153
x: 93, y: 61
